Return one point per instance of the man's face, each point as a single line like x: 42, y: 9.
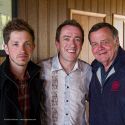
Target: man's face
x: 69, y: 44
x: 104, y: 46
x: 19, y: 48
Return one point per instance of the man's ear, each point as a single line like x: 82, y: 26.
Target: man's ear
x: 6, y: 49
x: 34, y: 46
x: 57, y: 45
x: 117, y: 40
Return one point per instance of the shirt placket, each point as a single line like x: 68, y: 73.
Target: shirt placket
x: 67, y: 105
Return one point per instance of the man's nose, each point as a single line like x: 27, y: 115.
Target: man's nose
x: 100, y: 45
x: 22, y: 48
x: 72, y: 42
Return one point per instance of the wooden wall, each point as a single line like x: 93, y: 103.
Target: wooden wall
x: 45, y: 15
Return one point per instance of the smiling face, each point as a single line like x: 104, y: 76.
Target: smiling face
x: 104, y: 46
x: 70, y: 44
x: 19, y: 48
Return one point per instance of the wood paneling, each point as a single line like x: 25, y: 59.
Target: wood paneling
x: 53, y: 20
x: 62, y: 10
x: 101, y: 6
x: 107, y: 5
x: 71, y: 4
x: 22, y: 9
x: 43, y: 35
x: 87, y: 5
x: 119, y: 6
x: 113, y: 6
x: 94, y: 5
x: 123, y: 7
x: 45, y: 15
x: 79, y: 4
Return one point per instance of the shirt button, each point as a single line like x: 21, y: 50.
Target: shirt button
x: 67, y: 87
x: 67, y: 100
x: 66, y: 113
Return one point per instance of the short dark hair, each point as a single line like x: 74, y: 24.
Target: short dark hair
x: 71, y: 22
x: 16, y: 25
x: 103, y: 25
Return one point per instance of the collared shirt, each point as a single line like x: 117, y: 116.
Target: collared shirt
x: 23, y: 97
x: 65, y: 93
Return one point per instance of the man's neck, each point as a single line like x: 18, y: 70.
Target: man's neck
x: 19, y: 72
x: 68, y: 66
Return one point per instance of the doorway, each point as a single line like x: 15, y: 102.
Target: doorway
x: 86, y: 19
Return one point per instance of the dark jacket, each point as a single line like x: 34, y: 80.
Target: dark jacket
x: 9, y: 107
x: 107, y: 102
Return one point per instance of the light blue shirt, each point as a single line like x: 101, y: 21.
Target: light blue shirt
x: 65, y: 93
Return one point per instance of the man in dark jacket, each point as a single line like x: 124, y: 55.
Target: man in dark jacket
x: 107, y: 87
x: 20, y: 86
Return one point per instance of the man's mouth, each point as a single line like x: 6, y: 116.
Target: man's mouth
x: 71, y: 50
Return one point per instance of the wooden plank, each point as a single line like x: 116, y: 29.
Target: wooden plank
x: 22, y: 10
x: 79, y: 4
x: 43, y: 45
x: 107, y: 6
x: 100, y: 6
x: 108, y: 11
x: 123, y: 8
x: 71, y: 4
x: 87, y: 5
x: 62, y: 10
x: 94, y: 4
x: 119, y: 7
x: 52, y: 26
x: 74, y: 11
x: 113, y: 6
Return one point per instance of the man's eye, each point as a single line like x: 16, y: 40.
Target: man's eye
x: 106, y: 42
x: 78, y: 39
x: 28, y: 44
x: 66, y: 39
x: 15, y: 44
x: 94, y: 45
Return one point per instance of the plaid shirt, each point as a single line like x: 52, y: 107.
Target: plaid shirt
x: 23, y: 98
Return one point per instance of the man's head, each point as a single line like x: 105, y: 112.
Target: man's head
x: 17, y: 25
x: 104, y: 41
x: 19, y: 41
x: 71, y: 23
x: 69, y: 40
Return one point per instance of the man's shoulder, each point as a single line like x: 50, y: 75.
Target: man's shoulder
x: 46, y: 63
x: 84, y: 66
x: 95, y: 63
x: 2, y: 76
x: 47, y: 60
x: 83, y: 63
x: 1, y: 70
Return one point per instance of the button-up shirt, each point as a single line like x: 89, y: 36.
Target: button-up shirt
x: 65, y: 93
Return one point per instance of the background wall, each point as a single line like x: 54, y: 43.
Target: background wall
x: 45, y: 15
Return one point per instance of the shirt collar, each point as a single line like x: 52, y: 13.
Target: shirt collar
x: 57, y: 66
